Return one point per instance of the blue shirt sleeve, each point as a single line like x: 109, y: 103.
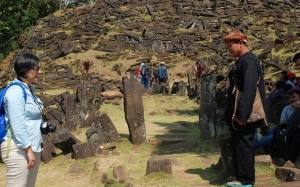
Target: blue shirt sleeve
x: 284, y: 115
x: 14, y: 105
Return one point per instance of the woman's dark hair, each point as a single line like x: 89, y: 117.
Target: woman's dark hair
x: 294, y: 91
x: 24, y: 63
x: 287, y: 87
x: 285, y: 78
x: 279, y: 84
x: 296, y: 57
x: 284, y: 73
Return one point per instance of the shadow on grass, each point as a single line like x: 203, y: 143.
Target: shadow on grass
x: 127, y: 136
x: 183, y: 137
x: 214, y: 174
x: 192, y: 111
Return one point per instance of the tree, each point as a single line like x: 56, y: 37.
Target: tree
x: 16, y: 16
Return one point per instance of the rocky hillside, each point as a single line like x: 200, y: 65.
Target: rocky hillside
x: 118, y: 34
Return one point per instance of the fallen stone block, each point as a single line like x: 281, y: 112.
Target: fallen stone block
x: 287, y: 174
x: 85, y: 150
x: 159, y: 164
x: 64, y: 140
x: 263, y: 160
x: 119, y: 173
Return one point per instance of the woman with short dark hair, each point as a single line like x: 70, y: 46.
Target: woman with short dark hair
x: 21, y: 147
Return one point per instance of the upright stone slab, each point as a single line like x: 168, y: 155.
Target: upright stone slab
x: 179, y: 88
x: 109, y: 128
x: 191, y: 86
x: 226, y: 156
x: 208, y: 106
x: 49, y: 150
x: 71, y: 113
x: 134, y: 109
x: 155, y: 88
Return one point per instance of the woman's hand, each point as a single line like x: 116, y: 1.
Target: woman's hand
x: 296, y: 104
x: 31, y: 157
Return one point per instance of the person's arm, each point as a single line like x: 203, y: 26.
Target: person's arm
x: 284, y: 115
x: 166, y: 73
x: 15, y: 109
x: 272, y: 96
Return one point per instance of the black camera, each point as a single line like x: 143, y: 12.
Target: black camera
x: 47, y: 127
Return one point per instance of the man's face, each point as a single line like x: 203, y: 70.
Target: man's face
x: 297, y: 63
x: 234, y: 48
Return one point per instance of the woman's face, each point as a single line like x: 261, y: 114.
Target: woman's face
x: 295, y: 97
x: 295, y: 81
x: 33, y: 74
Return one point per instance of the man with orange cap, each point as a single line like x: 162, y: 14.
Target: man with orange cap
x: 247, y: 77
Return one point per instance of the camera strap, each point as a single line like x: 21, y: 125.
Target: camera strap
x: 36, y: 102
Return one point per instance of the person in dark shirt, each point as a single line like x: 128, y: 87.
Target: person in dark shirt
x: 247, y: 75
x: 145, y: 77
x: 280, y: 92
x: 162, y: 72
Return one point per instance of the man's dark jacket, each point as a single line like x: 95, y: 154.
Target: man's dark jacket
x: 246, y: 74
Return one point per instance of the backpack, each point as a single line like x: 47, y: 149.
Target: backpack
x: 143, y: 70
x: 3, y: 125
x: 286, y: 142
x: 286, y: 139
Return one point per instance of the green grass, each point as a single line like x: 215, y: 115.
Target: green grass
x: 196, y: 166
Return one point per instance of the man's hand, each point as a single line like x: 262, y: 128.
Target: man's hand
x: 240, y: 122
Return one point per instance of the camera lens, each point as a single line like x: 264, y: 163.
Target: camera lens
x: 47, y: 127
x: 52, y: 128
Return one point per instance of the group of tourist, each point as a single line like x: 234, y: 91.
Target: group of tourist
x: 144, y: 72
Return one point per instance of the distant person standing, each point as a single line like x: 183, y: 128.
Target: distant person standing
x: 162, y: 72
x: 199, y: 68
x: 145, y: 74
x: 138, y: 71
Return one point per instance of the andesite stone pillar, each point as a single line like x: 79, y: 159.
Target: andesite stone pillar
x: 134, y: 109
x: 208, y: 106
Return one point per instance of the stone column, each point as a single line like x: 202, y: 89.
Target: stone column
x: 134, y: 109
x: 208, y: 106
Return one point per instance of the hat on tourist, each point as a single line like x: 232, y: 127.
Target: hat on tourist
x: 142, y: 63
x: 162, y: 62
x: 236, y: 36
x: 291, y: 75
